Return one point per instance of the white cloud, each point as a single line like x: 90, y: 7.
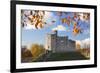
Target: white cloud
x: 86, y: 40
x: 29, y: 26
x: 60, y: 28
x: 84, y: 43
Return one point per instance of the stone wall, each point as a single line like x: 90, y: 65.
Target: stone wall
x: 59, y: 43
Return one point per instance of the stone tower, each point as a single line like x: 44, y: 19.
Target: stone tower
x: 57, y: 43
x: 51, y: 41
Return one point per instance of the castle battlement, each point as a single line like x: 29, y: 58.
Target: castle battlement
x: 57, y: 43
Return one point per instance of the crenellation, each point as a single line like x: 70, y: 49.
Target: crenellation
x: 57, y: 43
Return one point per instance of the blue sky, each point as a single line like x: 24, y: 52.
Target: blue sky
x: 30, y: 36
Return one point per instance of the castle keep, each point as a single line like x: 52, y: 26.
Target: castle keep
x: 57, y: 43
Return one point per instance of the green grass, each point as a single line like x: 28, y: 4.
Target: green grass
x: 64, y: 56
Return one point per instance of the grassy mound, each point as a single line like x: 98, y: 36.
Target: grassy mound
x: 64, y: 56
